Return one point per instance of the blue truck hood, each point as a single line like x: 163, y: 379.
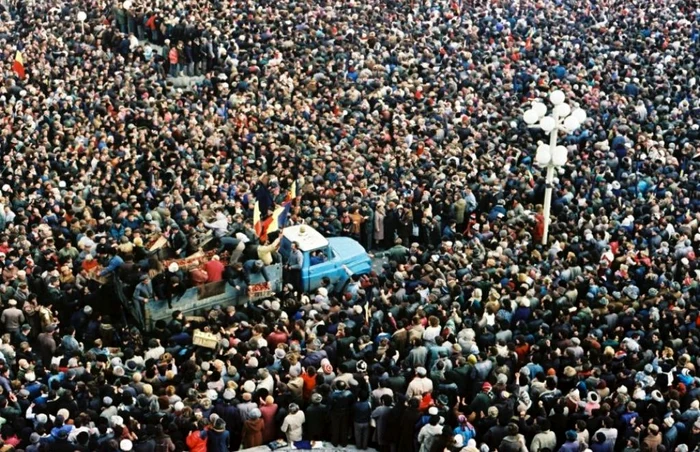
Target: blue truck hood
x: 351, y: 254
x: 346, y: 248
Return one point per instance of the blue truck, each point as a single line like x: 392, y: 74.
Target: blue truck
x: 337, y: 258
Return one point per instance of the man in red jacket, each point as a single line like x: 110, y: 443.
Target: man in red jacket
x: 197, y: 440
x: 214, y: 269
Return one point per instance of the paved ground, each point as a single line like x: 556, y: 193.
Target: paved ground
x: 185, y: 82
x: 325, y: 447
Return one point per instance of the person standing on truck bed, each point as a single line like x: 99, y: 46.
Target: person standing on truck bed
x: 178, y: 241
x: 293, y: 267
x: 267, y: 252
x: 214, y: 269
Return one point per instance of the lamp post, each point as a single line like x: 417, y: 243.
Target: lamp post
x: 81, y: 18
x: 551, y: 156
x: 127, y: 6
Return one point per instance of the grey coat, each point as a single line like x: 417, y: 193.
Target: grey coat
x: 378, y: 226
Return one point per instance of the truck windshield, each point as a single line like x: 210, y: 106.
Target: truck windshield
x: 319, y: 256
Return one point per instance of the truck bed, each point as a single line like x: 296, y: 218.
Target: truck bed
x: 197, y: 300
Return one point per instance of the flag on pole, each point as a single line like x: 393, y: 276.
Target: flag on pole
x: 256, y: 218
x: 528, y: 41
x: 18, y: 65
x: 273, y: 225
x: 278, y: 219
x: 281, y: 213
x: 261, y: 225
x: 264, y: 197
x: 291, y: 194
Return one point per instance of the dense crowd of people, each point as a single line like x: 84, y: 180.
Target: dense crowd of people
x: 399, y: 123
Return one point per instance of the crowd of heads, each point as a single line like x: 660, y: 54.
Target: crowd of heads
x: 400, y: 125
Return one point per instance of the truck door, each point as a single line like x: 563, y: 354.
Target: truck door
x: 318, y: 264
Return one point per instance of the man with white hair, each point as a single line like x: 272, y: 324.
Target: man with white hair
x: 293, y: 423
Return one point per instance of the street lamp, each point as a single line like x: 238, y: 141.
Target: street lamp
x: 550, y: 155
x: 81, y: 18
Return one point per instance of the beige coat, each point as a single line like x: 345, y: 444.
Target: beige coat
x: 651, y: 443
x: 419, y: 386
x: 292, y: 426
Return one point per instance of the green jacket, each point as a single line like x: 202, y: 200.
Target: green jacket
x: 396, y: 253
x: 481, y: 403
x: 11, y: 410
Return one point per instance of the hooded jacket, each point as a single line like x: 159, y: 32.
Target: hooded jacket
x: 252, y: 432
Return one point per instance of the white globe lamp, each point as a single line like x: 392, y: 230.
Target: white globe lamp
x: 571, y: 124
x: 562, y: 110
x: 559, y: 156
x: 531, y: 117
x: 539, y: 108
x: 543, y: 156
x: 579, y: 114
x: 547, y: 124
x: 557, y: 97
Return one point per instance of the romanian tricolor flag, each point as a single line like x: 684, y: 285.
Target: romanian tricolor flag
x: 278, y: 219
x: 291, y: 194
x: 528, y: 41
x: 281, y: 213
x: 18, y: 65
x: 261, y: 225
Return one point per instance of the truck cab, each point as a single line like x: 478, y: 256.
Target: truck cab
x: 337, y: 258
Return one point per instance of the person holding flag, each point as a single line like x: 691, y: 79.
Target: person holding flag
x: 266, y: 225
x: 18, y: 65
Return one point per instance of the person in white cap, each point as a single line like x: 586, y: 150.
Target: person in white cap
x: 174, y: 288
x: 420, y: 385
x: 429, y: 432
x: 692, y: 414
